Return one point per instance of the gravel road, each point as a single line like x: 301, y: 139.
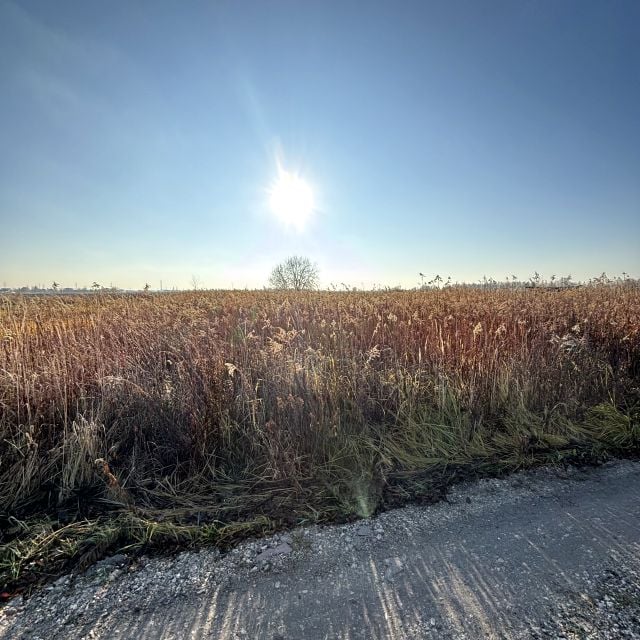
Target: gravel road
x: 553, y: 553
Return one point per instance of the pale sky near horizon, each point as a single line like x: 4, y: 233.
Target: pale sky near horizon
x: 139, y: 140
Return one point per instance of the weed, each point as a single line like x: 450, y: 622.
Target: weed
x: 158, y: 421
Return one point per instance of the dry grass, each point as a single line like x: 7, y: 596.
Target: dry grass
x: 197, y: 411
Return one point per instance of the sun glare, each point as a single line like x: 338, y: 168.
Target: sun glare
x: 291, y: 200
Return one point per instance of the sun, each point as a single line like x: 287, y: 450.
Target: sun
x: 291, y: 199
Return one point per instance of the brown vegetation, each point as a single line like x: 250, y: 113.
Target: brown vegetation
x: 138, y: 420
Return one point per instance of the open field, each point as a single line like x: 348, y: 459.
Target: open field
x: 177, y: 419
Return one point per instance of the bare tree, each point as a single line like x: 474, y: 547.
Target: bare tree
x: 296, y: 273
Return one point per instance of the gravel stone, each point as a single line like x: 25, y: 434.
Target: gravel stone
x: 282, y: 549
x: 394, y: 567
x: 113, y: 561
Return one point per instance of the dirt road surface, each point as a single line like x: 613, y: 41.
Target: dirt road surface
x: 553, y: 553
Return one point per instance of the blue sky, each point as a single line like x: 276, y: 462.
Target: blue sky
x: 139, y: 139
